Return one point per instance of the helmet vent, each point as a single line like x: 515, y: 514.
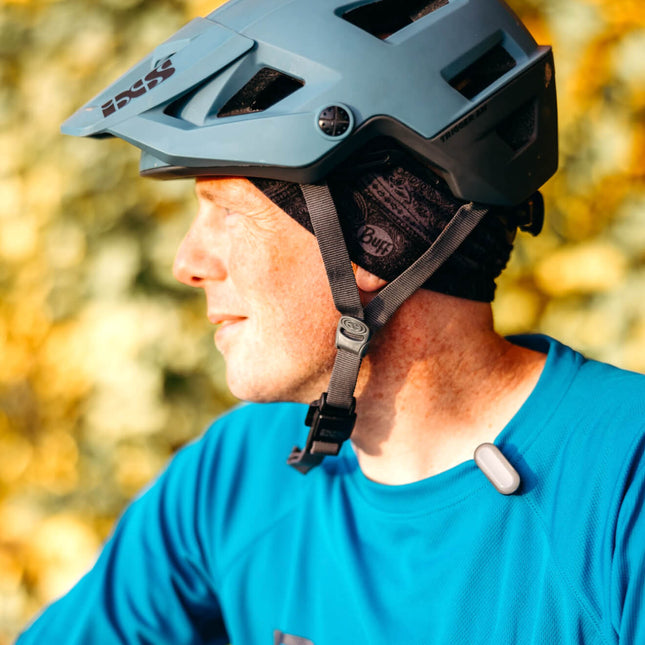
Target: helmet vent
x: 483, y: 72
x: 520, y: 128
x: 266, y: 88
x: 385, y: 17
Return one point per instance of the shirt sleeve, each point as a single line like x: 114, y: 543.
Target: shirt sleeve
x: 153, y: 582
x: 628, y: 575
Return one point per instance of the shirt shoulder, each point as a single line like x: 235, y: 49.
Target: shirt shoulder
x: 591, y: 402
x: 581, y: 466
x: 583, y: 424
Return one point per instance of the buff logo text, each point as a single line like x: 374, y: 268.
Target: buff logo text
x: 375, y: 241
x: 159, y: 74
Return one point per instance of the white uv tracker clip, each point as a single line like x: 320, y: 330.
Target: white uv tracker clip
x: 498, y: 470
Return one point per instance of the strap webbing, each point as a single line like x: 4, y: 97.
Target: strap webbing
x: 333, y: 249
x: 392, y: 296
x: 326, y: 225
x: 342, y: 282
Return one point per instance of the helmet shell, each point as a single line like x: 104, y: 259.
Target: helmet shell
x: 462, y: 85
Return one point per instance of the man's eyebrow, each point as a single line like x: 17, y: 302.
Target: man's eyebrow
x: 214, y: 197
x: 205, y: 193
x: 225, y: 198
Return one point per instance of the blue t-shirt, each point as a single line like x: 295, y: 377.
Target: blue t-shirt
x: 232, y: 544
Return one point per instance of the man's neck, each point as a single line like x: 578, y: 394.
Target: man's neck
x: 437, y: 383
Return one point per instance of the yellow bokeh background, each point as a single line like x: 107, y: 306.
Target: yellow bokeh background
x: 107, y: 365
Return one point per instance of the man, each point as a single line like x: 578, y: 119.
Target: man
x: 410, y: 138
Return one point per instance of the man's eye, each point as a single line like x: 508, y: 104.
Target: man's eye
x: 230, y: 216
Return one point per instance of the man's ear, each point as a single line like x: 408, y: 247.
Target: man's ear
x: 367, y: 281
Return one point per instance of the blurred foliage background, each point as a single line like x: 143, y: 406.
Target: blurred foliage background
x: 107, y: 365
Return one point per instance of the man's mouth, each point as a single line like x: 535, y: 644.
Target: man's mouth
x: 226, y: 323
x: 224, y: 320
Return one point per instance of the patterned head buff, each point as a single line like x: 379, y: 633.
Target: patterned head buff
x: 391, y: 213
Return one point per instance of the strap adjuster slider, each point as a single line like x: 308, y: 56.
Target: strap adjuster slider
x: 352, y: 335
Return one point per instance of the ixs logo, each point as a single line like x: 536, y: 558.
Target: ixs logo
x: 159, y: 74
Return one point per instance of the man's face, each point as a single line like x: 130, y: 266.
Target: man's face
x: 265, y: 287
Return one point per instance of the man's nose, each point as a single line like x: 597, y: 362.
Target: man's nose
x: 196, y: 260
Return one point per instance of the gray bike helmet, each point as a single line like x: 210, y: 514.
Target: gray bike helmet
x: 289, y: 89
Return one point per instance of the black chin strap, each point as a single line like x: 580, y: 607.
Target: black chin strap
x: 332, y: 417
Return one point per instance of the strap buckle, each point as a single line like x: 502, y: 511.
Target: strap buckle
x: 330, y: 427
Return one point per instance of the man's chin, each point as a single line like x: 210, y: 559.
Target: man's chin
x: 266, y: 392
x: 253, y: 392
